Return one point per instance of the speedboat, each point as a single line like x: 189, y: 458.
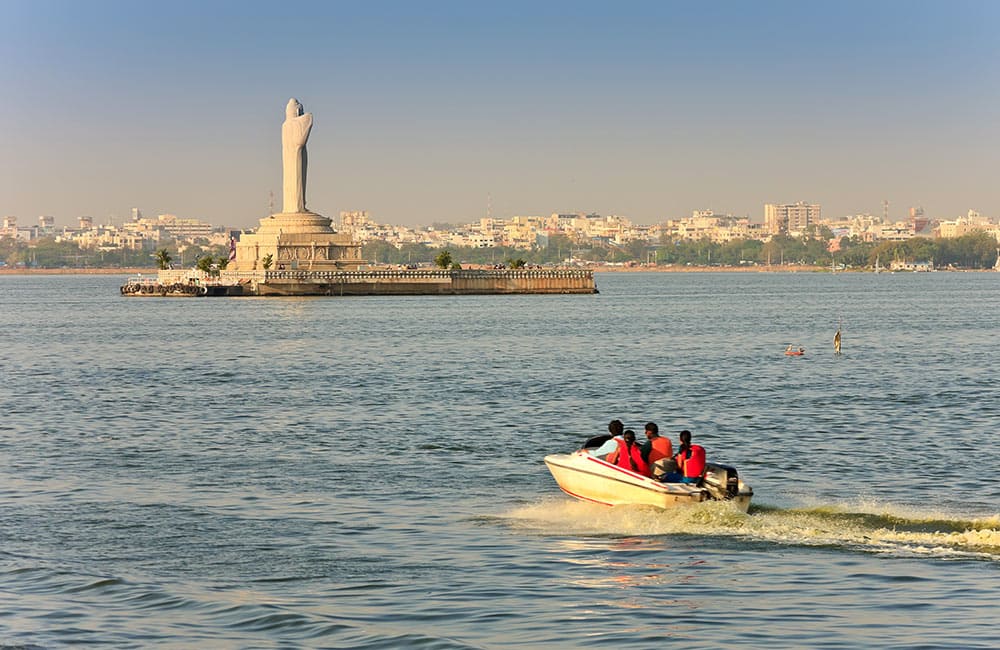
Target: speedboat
x: 594, y: 479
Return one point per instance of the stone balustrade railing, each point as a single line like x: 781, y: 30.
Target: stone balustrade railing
x: 420, y: 274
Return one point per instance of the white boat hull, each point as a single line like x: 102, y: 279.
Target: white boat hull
x: 589, y: 478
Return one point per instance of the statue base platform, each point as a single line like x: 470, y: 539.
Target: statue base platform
x: 296, y: 240
x: 295, y: 223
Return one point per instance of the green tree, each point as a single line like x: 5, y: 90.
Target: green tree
x: 975, y: 250
x: 162, y: 258
x: 781, y: 249
x: 9, y: 249
x: 46, y: 252
x: 732, y: 253
x: 637, y: 250
x: 380, y: 252
x: 516, y: 263
x: 855, y: 252
x: 267, y: 261
x: 443, y: 259
x: 416, y: 254
x: 558, y: 248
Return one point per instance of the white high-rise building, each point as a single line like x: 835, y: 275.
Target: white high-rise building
x: 783, y: 218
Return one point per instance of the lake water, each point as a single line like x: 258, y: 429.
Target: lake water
x: 367, y: 472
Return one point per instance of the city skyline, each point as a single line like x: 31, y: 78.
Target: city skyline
x: 437, y: 113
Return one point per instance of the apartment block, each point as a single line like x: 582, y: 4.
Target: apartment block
x: 785, y: 218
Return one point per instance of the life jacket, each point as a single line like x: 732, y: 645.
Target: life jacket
x: 661, y: 448
x: 613, y: 456
x: 631, y: 461
x: 691, y: 463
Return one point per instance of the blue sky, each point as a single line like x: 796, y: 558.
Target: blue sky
x: 423, y: 110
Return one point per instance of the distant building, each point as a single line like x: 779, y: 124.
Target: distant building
x: 972, y: 222
x: 354, y: 219
x: 184, y: 229
x: 903, y: 265
x: 898, y: 231
x: 11, y: 230
x: 784, y: 218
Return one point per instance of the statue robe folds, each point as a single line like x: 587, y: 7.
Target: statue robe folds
x: 294, y: 133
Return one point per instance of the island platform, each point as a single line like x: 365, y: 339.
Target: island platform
x: 419, y: 282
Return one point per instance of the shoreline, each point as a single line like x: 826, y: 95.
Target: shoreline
x: 595, y: 269
x: 714, y: 269
x: 85, y: 271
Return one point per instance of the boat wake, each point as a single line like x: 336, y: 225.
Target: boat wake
x: 862, y: 527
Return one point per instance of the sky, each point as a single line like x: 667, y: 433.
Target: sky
x: 441, y: 111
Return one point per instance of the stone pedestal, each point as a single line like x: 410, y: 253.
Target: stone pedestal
x: 301, y: 240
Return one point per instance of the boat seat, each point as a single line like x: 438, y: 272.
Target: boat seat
x: 663, y: 467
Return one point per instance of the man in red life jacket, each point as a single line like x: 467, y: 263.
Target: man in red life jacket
x: 656, y: 449
x: 690, y: 462
x: 628, y: 454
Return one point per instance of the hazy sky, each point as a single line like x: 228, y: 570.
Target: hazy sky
x: 423, y: 109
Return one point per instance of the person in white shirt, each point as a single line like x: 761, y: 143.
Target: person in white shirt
x: 616, y: 429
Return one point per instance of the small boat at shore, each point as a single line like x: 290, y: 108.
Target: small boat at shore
x: 589, y: 478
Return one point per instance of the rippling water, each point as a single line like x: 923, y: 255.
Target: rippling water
x: 366, y: 472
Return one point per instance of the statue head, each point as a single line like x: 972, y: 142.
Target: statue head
x: 293, y: 108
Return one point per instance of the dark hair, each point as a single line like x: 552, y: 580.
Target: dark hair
x: 686, y: 436
x: 651, y: 426
x: 629, y: 436
x: 616, y: 427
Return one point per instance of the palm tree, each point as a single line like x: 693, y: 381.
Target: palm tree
x: 443, y: 259
x: 267, y: 261
x: 162, y: 258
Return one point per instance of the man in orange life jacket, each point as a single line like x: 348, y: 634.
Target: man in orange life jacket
x: 690, y: 462
x: 628, y: 454
x: 657, y: 448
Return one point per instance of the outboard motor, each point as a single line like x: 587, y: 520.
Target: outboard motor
x: 721, y: 481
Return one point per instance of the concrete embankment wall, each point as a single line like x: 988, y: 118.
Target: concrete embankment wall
x: 416, y: 282
x: 523, y: 281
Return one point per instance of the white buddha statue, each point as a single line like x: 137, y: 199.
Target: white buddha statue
x: 294, y: 133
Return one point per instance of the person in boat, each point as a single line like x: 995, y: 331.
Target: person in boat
x: 656, y: 450
x: 690, y: 462
x: 604, y: 446
x: 629, y: 454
